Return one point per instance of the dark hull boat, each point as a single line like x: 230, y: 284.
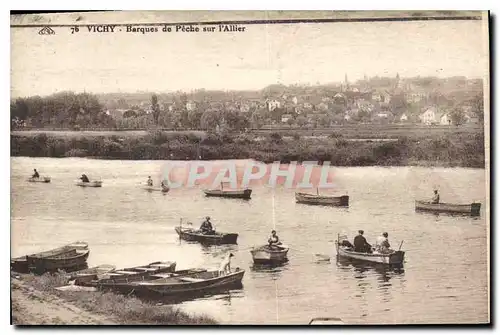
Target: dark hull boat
x: 190, y: 234
x: 234, y: 194
x: 314, y: 199
x: 68, y: 257
x: 196, y: 283
x: 472, y: 209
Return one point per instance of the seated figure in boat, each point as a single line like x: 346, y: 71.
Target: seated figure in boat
x: 274, y: 240
x: 206, y: 227
x: 360, y: 243
x: 382, y: 245
x: 84, y: 178
x: 435, y: 198
x: 150, y: 181
x: 35, y: 175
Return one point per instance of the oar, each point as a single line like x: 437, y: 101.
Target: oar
x: 401, y: 245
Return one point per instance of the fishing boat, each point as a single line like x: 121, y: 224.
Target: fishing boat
x: 94, y: 183
x: 163, y: 189
x: 89, y: 274
x: 129, y: 283
x: 65, y: 257
x: 345, y: 250
x: 190, y: 234
x: 196, y: 283
x: 234, y: 194
x: 472, y: 209
x: 127, y: 275
x: 269, y: 255
x: 325, y: 200
x: 39, y: 180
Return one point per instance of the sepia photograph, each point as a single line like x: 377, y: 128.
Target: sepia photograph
x: 250, y: 168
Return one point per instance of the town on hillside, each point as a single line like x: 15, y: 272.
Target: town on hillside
x: 452, y: 101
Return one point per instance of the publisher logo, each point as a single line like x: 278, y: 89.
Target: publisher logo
x: 46, y: 31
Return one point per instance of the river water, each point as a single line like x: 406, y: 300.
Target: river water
x: 445, y: 276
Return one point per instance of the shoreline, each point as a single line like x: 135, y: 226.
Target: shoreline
x: 419, y: 164
x: 35, y: 301
x: 453, y: 150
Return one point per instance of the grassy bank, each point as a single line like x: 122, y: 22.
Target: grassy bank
x: 119, y: 308
x: 454, y: 149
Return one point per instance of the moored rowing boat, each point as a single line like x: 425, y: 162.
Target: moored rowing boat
x: 54, y: 258
x: 469, y: 209
x: 113, y: 279
x: 195, y: 283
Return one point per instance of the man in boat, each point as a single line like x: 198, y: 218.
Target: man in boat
x: 84, y: 178
x: 382, y: 244
x: 35, y: 175
x: 435, y: 198
x: 360, y: 243
x: 206, y: 227
x: 274, y: 241
x: 150, y: 181
x: 225, y: 265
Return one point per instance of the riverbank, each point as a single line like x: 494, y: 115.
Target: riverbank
x: 450, y: 150
x: 35, y: 301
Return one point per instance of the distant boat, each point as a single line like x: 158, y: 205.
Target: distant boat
x: 163, y: 189
x: 190, y: 234
x: 67, y: 257
x: 325, y: 200
x: 235, y: 194
x: 472, y: 209
x: 393, y: 258
x: 94, y: 183
x: 39, y: 180
x: 198, y: 282
x: 269, y: 255
x: 326, y: 321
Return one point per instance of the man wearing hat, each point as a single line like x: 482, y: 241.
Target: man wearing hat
x: 360, y: 243
x: 206, y: 227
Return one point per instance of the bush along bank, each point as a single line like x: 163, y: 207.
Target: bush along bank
x: 460, y: 150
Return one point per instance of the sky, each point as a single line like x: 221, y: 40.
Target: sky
x: 301, y: 53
